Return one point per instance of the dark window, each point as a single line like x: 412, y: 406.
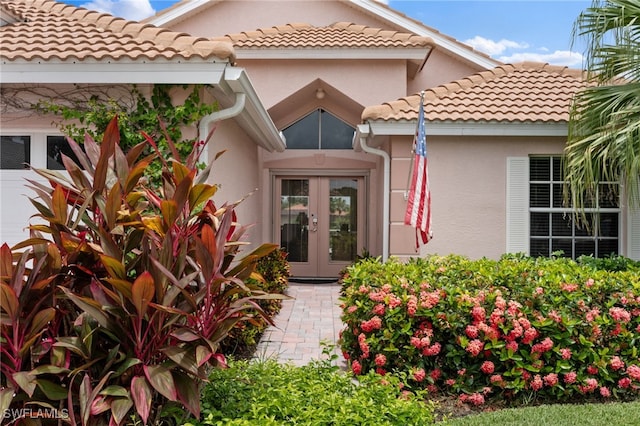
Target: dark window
x: 15, y: 152
x: 56, y: 146
x: 553, y: 226
x: 319, y: 130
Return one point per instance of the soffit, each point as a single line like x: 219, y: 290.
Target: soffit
x: 523, y: 92
x: 45, y: 30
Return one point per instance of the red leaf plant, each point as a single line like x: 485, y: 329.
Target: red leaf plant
x: 116, y: 305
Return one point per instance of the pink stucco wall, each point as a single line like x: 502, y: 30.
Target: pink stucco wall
x: 467, y: 176
x: 230, y: 17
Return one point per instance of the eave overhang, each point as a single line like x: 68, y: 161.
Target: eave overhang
x: 475, y: 128
x: 113, y: 72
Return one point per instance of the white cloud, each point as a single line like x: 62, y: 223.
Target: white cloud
x: 503, y: 50
x: 559, y: 57
x: 491, y: 47
x: 134, y: 10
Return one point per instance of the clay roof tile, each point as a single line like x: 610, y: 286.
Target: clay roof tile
x: 522, y: 92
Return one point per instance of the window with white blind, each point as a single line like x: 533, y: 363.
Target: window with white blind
x: 553, y: 227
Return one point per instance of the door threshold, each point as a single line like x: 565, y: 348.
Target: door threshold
x: 313, y: 280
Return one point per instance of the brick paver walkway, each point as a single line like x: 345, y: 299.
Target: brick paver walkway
x: 311, y: 317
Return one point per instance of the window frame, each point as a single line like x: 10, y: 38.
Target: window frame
x: 38, y: 145
x: 554, y: 207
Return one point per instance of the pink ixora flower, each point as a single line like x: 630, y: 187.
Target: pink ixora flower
x: 551, y: 379
x: 475, y: 347
x: 471, y: 331
x: 378, y: 309
x: 529, y: 335
x: 634, y: 372
x: 432, y: 350
x: 565, y: 353
x: 419, y: 375
x: 436, y: 374
x: 512, y: 346
x: 496, y: 379
x: 542, y: 347
x: 487, y: 367
x: 589, y: 386
x: 616, y: 363
x: 620, y: 314
x: 356, y: 368
x: 592, y: 314
x: 374, y: 323
x: 380, y: 360
x: 605, y: 392
x: 570, y: 377
x: 476, y: 399
x: 536, y: 383
x: 624, y: 383
x: 478, y: 313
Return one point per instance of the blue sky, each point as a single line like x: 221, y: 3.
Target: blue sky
x: 508, y: 30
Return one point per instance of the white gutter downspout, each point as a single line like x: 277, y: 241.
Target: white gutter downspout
x: 363, y: 130
x: 232, y: 111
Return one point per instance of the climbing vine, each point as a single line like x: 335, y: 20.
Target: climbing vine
x: 155, y: 113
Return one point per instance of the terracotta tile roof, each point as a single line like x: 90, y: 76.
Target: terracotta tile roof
x: 47, y: 30
x: 338, y: 35
x: 522, y: 92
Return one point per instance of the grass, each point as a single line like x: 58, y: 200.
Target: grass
x: 610, y: 414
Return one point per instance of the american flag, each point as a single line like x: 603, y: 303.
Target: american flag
x: 418, y: 212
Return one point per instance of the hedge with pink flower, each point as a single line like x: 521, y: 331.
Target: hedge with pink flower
x: 519, y: 327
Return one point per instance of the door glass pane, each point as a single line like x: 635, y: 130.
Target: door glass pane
x: 294, y: 219
x: 343, y: 219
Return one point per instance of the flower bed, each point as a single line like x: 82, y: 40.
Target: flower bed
x: 520, y: 327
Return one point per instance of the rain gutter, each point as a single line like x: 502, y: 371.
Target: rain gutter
x: 362, y: 133
x: 246, y: 108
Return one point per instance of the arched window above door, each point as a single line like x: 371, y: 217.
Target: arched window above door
x: 319, y: 130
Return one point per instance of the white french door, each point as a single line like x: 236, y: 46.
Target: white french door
x: 319, y: 222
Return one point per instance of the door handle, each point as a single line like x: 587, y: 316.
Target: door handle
x: 314, y: 223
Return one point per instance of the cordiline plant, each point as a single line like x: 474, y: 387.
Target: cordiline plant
x: 141, y: 290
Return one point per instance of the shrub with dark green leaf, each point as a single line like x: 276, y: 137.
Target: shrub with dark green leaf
x: 117, y: 306
x: 267, y: 393
x: 520, y: 327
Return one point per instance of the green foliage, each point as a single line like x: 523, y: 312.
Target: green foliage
x: 141, y: 115
x: 611, y: 263
x: 268, y: 393
x: 117, y: 306
x: 244, y: 336
x: 518, y: 328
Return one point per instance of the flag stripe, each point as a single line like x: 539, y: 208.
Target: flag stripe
x: 418, y: 213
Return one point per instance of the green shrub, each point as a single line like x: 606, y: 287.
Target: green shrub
x: 244, y: 336
x: 520, y: 327
x: 267, y: 393
x: 611, y: 263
